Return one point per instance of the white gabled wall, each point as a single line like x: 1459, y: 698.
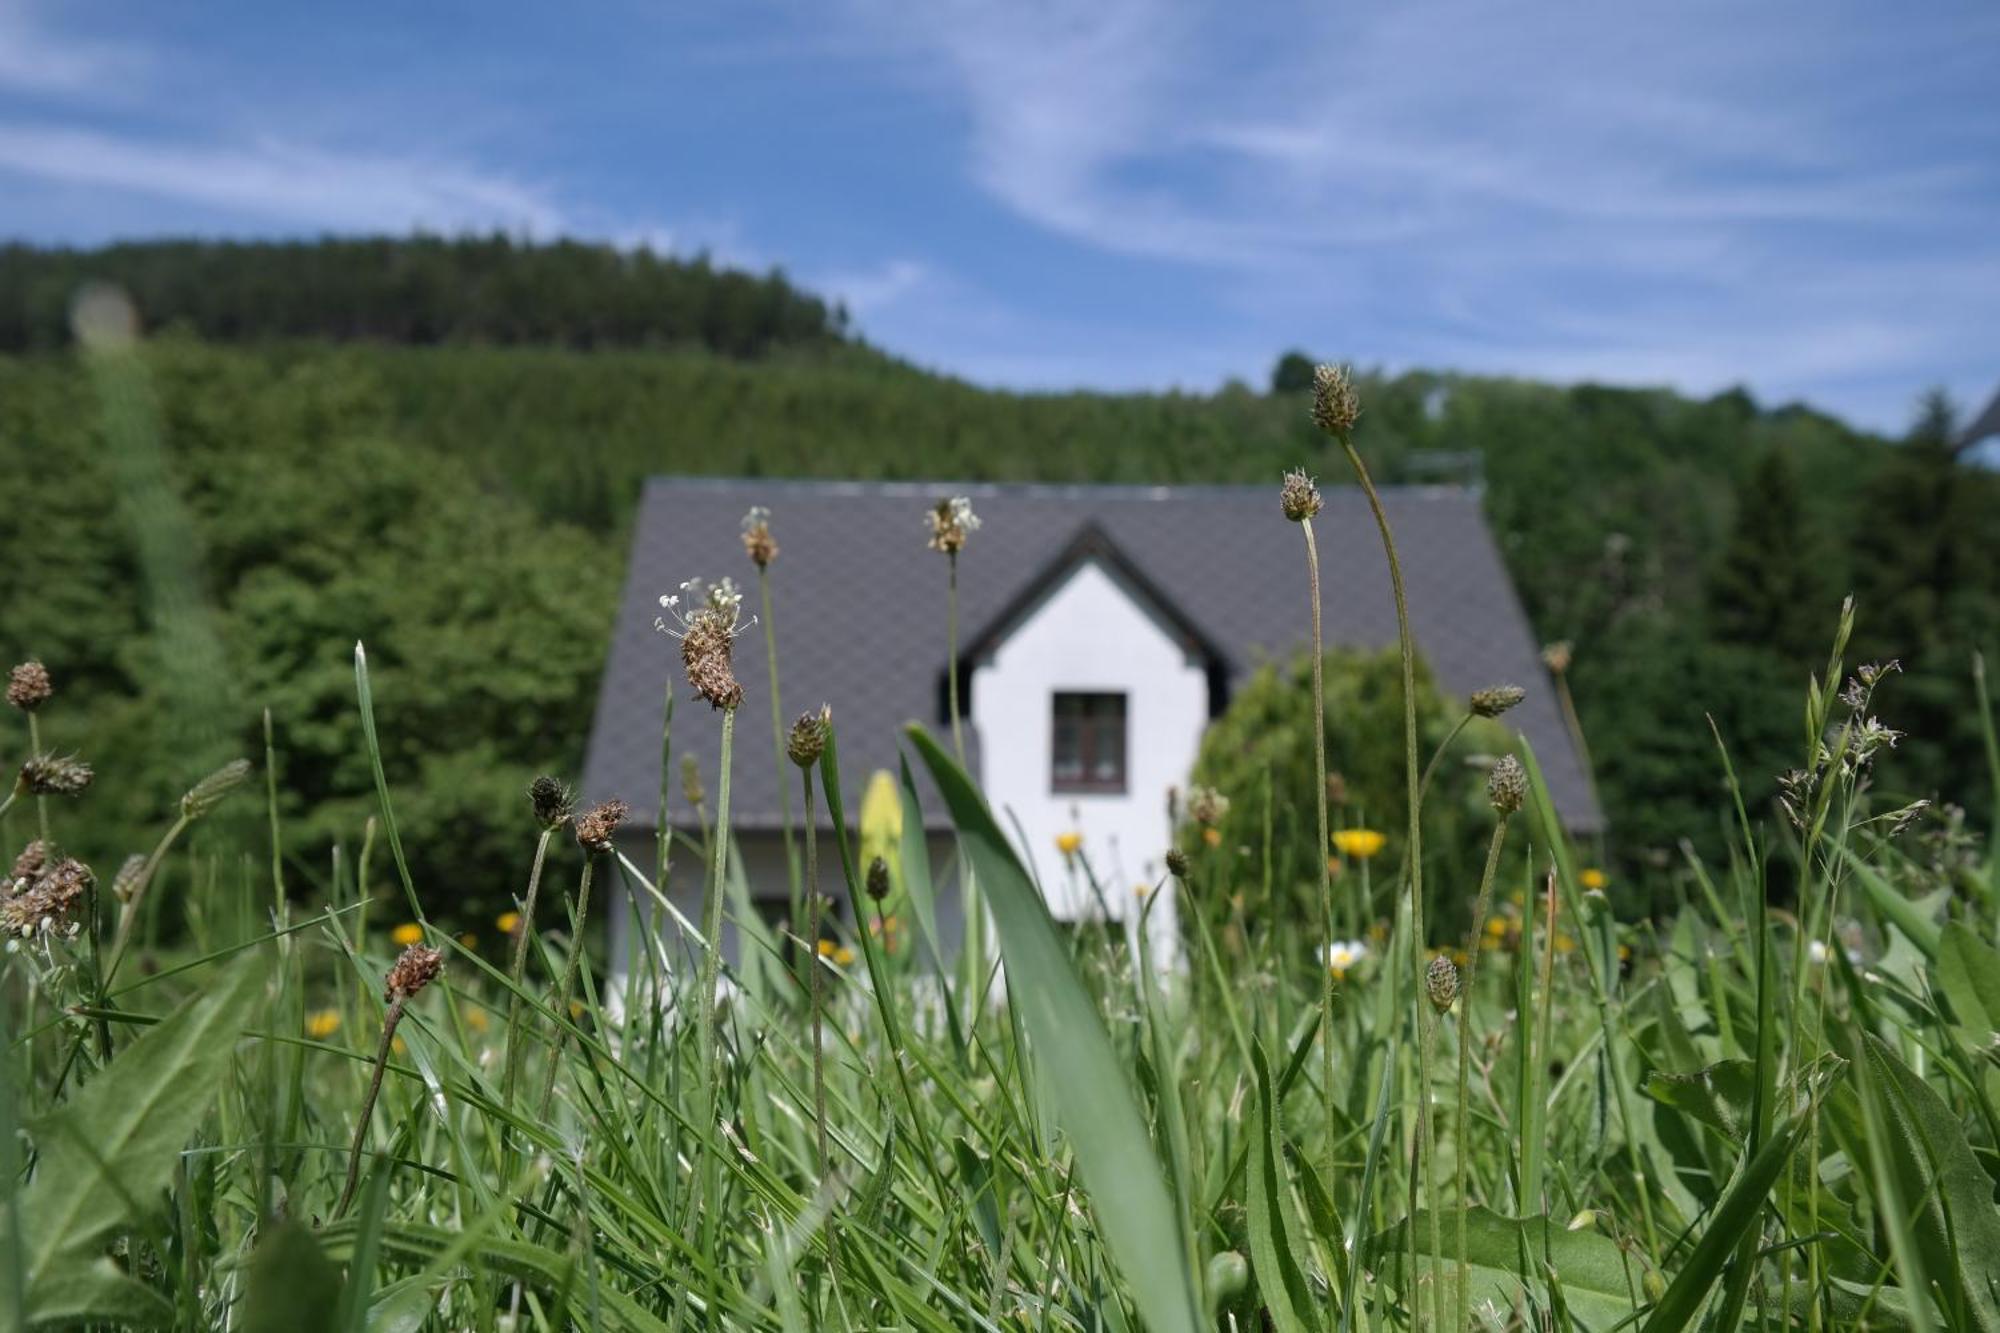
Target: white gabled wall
x: 1091, y: 633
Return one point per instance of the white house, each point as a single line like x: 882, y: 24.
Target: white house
x: 1102, y: 628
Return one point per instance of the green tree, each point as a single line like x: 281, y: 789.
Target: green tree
x: 1293, y: 373
x: 1768, y: 588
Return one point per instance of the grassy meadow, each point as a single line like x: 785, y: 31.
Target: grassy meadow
x: 237, y: 1100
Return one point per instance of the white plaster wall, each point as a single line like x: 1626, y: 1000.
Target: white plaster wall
x: 1091, y: 633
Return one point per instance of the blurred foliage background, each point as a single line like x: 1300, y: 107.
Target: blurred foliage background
x: 435, y: 446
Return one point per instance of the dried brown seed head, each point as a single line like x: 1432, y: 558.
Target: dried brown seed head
x: 878, y: 879
x: 31, y: 860
x: 707, y: 628
x: 125, y: 885
x: 1336, y: 405
x: 1298, y: 497
x: 596, y: 826
x: 1496, y: 699
x: 551, y: 802
x: 1177, y: 863
x: 46, y: 905
x: 1507, y: 785
x: 807, y: 740
x: 55, y: 775
x: 29, y: 687
x: 417, y: 968
x: 1206, y: 805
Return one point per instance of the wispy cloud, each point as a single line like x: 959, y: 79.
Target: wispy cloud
x: 284, y: 183
x: 36, y: 58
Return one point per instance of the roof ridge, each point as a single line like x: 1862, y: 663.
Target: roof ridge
x: 930, y: 488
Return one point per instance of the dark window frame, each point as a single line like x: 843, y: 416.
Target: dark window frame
x: 1100, y: 733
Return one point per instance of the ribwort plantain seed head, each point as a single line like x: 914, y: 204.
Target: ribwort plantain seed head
x: 1298, y: 497
x: 807, y: 740
x: 1441, y: 983
x: 211, y: 791
x: 28, y: 686
x: 1177, y: 863
x: 1496, y: 699
x: 951, y: 521
x: 758, y: 543
x: 707, y: 628
x: 877, y: 882
x: 1336, y: 405
x: 551, y: 801
x: 1507, y: 785
x: 55, y: 775
x: 417, y: 968
x: 596, y: 826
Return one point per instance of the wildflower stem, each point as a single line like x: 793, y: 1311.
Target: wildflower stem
x: 1321, y: 855
x: 1462, y: 1152
x: 711, y: 968
x: 1414, y: 853
x: 518, y: 969
x: 42, y: 802
x: 951, y: 655
x: 1437, y: 757
x: 390, y: 1018
x: 778, y: 737
x: 814, y: 905
x: 568, y: 986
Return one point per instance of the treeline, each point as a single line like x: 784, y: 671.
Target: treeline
x: 418, y: 290
x: 464, y: 509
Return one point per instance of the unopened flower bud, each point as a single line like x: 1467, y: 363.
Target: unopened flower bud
x: 1441, y: 982
x: 210, y: 792
x: 1177, y: 863
x: 878, y: 879
x: 1496, y: 699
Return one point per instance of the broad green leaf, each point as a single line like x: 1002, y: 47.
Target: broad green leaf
x: 109, y: 1152
x: 1076, y: 1063
x: 1968, y: 972
x: 1274, y: 1253
x: 1600, y: 1283
x: 292, y: 1287
x: 1957, y: 1227
x: 1907, y: 916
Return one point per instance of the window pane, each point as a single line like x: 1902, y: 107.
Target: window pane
x: 1089, y: 740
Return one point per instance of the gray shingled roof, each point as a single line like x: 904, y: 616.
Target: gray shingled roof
x: 859, y: 605
x: 1984, y: 426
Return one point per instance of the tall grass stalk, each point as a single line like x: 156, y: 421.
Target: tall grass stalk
x: 566, y: 990
x: 778, y: 736
x: 1462, y: 1155
x: 1414, y: 852
x: 1323, y: 846
x: 517, y: 967
x: 711, y: 972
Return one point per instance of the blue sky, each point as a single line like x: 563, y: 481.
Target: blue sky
x: 1800, y: 197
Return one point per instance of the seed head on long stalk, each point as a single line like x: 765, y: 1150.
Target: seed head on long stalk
x: 417, y: 967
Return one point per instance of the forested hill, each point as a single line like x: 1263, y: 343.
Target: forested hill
x: 462, y: 507
x: 419, y: 290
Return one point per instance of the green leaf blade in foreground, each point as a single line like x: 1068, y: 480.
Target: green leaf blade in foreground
x: 113, y: 1147
x: 1273, y: 1251
x: 1094, y: 1103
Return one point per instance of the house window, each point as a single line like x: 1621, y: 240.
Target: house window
x: 1089, y: 749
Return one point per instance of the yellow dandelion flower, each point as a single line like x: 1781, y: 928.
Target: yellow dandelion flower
x: 1359, y: 843
x: 1496, y: 926
x: 843, y: 956
x: 508, y: 922
x: 407, y: 934
x: 826, y: 948
x: 477, y: 1020
x: 1564, y: 944
x: 322, y: 1023
x: 399, y: 1046
x: 468, y: 940
x: 1069, y: 842
x: 1593, y: 878
x: 1212, y: 836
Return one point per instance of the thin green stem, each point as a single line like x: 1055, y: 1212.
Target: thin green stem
x: 778, y: 738
x: 1414, y: 853
x: 41, y: 802
x: 518, y: 968
x: 951, y: 656
x: 1437, y: 757
x: 571, y: 964
x: 1321, y: 851
x: 390, y: 1019
x: 711, y: 971
x: 1462, y: 1154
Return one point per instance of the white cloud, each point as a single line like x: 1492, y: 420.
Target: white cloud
x: 35, y: 59
x: 282, y: 182
x: 871, y: 291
